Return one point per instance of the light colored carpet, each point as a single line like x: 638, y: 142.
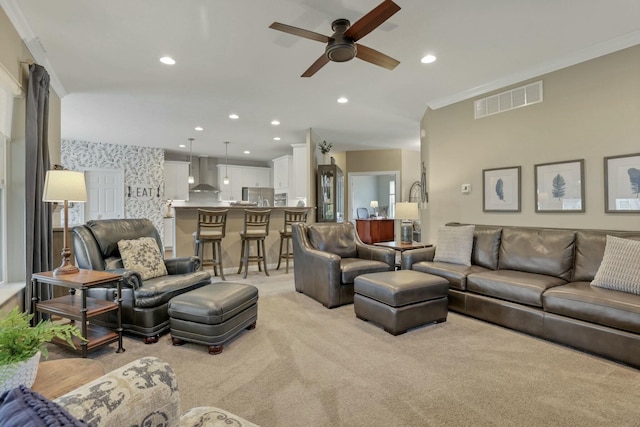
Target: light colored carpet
x: 305, y: 365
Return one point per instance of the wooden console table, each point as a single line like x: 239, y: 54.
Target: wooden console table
x: 375, y: 230
x: 80, y: 307
x: 58, y: 377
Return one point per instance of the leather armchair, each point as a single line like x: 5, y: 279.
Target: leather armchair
x: 329, y: 256
x: 144, y: 303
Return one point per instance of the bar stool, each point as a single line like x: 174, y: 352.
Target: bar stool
x: 212, y: 227
x: 256, y: 229
x: 290, y: 217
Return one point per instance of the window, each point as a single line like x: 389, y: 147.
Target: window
x: 3, y: 210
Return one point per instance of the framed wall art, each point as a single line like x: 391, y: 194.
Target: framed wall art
x: 501, y: 188
x: 622, y: 183
x: 560, y: 186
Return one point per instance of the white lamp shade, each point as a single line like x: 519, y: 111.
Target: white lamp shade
x: 407, y: 210
x: 374, y: 203
x: 61, y: 185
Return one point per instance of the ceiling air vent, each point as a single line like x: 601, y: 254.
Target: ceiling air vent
x: 509, y: 100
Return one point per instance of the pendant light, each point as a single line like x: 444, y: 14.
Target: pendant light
x: 225, y: 181
x: 190, y: 180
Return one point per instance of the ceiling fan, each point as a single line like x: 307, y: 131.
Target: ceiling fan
x: 342, y: 46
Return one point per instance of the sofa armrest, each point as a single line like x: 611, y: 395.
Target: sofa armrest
x: 143, y: 392
x: 413, y: 256
x: 377, y: 253
x: 182, y: 265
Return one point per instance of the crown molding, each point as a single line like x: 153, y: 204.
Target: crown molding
x: 33, y: 43
x: 583, y: 55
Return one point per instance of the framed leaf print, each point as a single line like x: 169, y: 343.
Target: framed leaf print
x: 501, y: 189
x: 560, y: 186
x: 622, y: 183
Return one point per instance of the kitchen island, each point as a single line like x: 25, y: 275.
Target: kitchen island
x: 186, y: 220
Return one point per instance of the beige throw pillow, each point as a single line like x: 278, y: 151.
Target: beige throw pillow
x: 620, y: 266
x: 142, y: 255
x: 454, y: 244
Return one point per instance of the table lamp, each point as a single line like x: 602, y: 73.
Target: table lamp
x: 374, y: 205
x: 65, y: 186
x: 407, y: 212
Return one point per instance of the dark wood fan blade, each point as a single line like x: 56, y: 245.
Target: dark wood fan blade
x: 375, y: 57
x: 372, y: 20
x: 320, y: 62
x: 300, y: 32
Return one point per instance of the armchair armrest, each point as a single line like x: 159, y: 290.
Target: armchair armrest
x: 130, y: 278
x: 376, y: 253
x: 143, y: 392
x: 182, y: 265
x: 413, y: 256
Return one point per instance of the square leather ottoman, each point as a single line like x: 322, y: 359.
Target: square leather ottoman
x: 213, y: 314
x: 401, y: 300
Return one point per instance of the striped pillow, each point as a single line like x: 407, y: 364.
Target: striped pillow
x: 454, y: 244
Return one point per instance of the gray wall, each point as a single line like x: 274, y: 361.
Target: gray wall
x: 590, y: 111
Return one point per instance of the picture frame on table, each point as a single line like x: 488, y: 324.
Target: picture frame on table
x: 622, y: 183
x: 560, y: 186
x: 501, y: 189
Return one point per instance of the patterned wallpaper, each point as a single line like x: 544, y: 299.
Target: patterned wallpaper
x: 142, y: 166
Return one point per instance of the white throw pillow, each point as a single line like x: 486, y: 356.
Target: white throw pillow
x: 620, y: 266
x: 454, y: 244
x: 142, y: 255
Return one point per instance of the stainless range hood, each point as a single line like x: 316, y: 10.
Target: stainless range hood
x: 204, y: 178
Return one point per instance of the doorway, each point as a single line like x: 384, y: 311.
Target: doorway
x: 105, y: 194
x: 379, y: 186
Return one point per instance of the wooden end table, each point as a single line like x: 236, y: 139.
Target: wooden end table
x: 58, y: 377
x: 401, y: 247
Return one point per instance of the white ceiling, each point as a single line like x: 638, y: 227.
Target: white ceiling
x: 104, y: 58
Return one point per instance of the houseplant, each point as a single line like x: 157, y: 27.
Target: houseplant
x: 21, y: 346
x: 324, y: 148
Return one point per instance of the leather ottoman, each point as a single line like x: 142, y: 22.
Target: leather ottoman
x: 401, y: 300
x: 213, y: 314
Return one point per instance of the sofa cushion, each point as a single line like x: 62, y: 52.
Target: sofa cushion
x: 160, y: 290
x: 620, y: 266
x: 580, y: 300
x: 454, y: 244
x: 22, y: 406
x: 350, y: 268
x: 486, y: 246
x: 542, y: 251
x: 514, y: 286
x: 142, y: 255
x: 456, y: 274
x: 339, y: 240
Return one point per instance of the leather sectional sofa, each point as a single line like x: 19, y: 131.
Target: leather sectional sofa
x: 538, y: 281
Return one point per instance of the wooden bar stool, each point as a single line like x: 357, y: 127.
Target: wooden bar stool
x: 212, y: 227
x: 255, y: 229
x: 290, y: 217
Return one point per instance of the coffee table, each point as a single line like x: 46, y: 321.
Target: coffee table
x: 60, y: 376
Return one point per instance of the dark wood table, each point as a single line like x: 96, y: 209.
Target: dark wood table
x: 58, y: 377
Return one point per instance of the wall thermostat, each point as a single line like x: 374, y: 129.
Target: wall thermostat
x: 466, y: 188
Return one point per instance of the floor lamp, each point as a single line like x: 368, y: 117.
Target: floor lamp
x: 407, y: 212
x: 65, y: 186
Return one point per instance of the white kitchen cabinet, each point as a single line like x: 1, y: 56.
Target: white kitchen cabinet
x: 282, y: 169
x: 263, y: 177
x: 241, y: 176
x: 176, y: 185
x: 300, y: 184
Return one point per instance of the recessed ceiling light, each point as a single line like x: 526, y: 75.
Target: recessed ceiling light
x: 167, y: 60
x: 277, y: 138
x: 182, y: 146
x: 343, y: 100
x: 275, y: 122
x: 247, y: 152
x: 234, y: 116
x: 428, y: 59
x: 199, y: 128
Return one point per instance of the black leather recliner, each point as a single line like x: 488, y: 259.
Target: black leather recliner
x: 327, y: 257
x: 144, y: 303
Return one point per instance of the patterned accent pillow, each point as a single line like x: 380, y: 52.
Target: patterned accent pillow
x: 22, y: 406
x: 142, y: 255
x: 454, y: 244
x: 620, y: 266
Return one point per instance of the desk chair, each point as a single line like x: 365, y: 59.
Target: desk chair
x: 255, y: 229
x: 290, y: 217
x: 211, y: 229
x: 362, y: 213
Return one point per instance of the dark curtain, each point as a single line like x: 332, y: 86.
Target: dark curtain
x: 39, y: 234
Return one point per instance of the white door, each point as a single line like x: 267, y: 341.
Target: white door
x: 105, y: 194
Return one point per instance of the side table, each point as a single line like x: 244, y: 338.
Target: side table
x: 401, y: 247
x: 80, y: 307
x: 58, y: 377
